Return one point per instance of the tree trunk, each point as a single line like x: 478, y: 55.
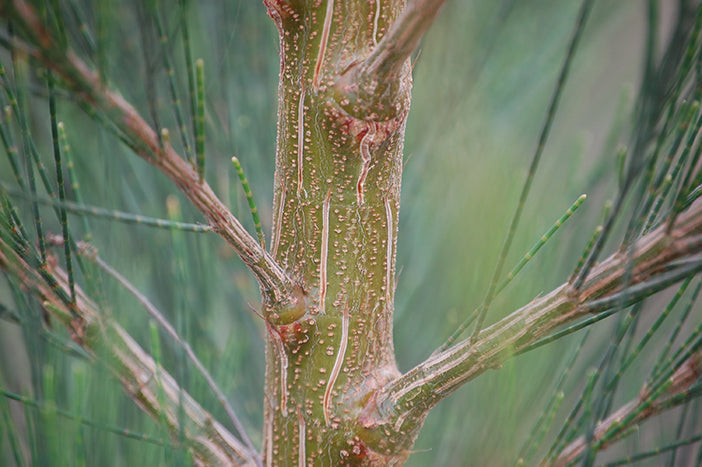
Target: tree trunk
x: 336, y: 204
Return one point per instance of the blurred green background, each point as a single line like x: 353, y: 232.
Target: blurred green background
x: 483, y: 79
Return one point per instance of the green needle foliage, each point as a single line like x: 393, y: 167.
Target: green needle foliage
x: 517, y: 109
x: 200, y: 119
x: 250, y: 200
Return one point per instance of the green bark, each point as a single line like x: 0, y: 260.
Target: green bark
x: 336, y: 205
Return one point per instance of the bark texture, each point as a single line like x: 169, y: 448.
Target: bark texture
x: 336, y: 204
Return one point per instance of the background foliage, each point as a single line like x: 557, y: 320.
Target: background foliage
x: 483, y: 79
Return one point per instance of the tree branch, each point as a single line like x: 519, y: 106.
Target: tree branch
x: 657, y: 261
x: 644, y: 406
x: 388, y: 58
x: 280, y: 292
x: 145, y: 382
x: 89, y: 252
x: 373, y: 88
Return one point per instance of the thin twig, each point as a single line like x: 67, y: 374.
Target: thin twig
x: 50, y: 407
x: 277, y: 287
x: 635, y: 411
x: 170, y: 330
x: 388, y: 57
x: 94, y: 211
x: 658, y: 261
x: 211, y: 442
x: 526, y: 188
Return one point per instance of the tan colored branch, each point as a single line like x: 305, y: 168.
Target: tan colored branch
x: 409, y: 397
x: 145, y: 382
x: 634, y: 412
x: 373, y: 88
x: 386, y: 61
x: 156, y: 315
x: 278, y: 289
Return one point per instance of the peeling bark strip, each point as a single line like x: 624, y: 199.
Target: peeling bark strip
x: 283, y: 357
x: 366, y: 141
x: 301, y: 456
x: 323, y: 43
x: 337, y: 364
x: 300, y: 138
x: 323, y: 254
x: 278, y: 223
x: 389, y: 289
x: 268, y: 431
x: 375, y: 22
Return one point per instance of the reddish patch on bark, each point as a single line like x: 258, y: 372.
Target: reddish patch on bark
x: 293, y: 334
x: 357, y: 451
